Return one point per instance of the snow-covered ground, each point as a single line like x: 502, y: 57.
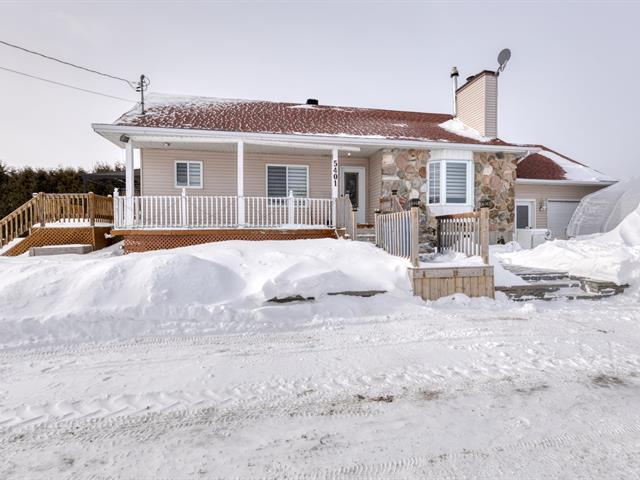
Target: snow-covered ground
x: 613, y: 256
x: 191, y: 376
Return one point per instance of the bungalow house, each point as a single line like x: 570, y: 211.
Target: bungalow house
x: 213, y: 169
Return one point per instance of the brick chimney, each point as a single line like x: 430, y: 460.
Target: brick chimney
x: 477, y: 103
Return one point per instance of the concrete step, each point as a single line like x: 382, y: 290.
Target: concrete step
x: 60, y: 250
x: 550, y: 285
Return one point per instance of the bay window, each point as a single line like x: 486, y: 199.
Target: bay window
x: 450, y: 178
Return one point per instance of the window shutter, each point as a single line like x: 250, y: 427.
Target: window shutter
x: 182, y: 177
x: 456, y: 182
x: 297, y: 181
x: 434, y: 182
x: 276, y: 181
x: 194, y: 174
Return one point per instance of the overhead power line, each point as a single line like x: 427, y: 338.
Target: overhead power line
x: 64, y: 62
x: 86, y: 90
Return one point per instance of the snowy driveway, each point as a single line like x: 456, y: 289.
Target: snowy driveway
x: 528, y: 391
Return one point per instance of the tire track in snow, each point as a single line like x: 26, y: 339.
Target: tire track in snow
x: 484, y: 373
x: 292, y: 399
x: 344, y: 337
x: 452, y: 460
x: 149, y: 427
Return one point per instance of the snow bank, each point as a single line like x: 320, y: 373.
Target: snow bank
x: 612, y: 256
x: 212, y: 287
x: 502, y: 277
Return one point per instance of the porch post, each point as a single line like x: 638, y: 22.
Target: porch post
x: 240, y: 190
x: 129, y: 181
x: 334, y: 185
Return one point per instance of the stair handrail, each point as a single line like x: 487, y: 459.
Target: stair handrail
x: 20, y: 220
x: 45, y: 208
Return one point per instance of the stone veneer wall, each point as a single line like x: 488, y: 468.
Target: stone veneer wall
x: 495, y: 175
x: 406, y: 172
x: 495, y: 183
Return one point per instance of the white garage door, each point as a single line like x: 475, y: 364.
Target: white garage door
x: 558, y: 216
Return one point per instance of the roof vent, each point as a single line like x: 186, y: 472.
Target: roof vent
x: 312, y: 101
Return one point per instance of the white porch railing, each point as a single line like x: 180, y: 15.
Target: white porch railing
x: 201, y: 212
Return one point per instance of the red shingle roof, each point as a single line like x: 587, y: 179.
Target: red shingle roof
x: 537, y: 166
x: 548, y: 164
x: 256, y: 116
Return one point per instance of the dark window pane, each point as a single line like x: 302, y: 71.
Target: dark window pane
x: 276, y: 181
x: 522, y: 216
x: 182, y: 177
x: 351, y: 187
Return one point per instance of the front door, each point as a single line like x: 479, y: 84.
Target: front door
x: 352, y: 183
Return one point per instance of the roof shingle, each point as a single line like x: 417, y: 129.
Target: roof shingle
x: 257, y: 116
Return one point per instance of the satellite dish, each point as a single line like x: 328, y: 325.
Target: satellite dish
x: 503, y: 58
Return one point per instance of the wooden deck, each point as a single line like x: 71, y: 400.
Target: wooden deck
x: 46, y: 236
x: 144, y: 240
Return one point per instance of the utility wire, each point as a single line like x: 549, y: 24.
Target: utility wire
x: 128, y: 82
x: 66, y: 85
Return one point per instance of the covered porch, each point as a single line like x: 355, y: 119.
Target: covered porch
x: 203, y: 183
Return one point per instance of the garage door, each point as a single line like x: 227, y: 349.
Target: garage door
x: 558, y: 216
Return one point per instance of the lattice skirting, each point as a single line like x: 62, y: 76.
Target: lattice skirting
x: 145, y: 240
x: 44, y: 236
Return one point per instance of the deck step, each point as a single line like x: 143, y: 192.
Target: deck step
x: 60, y: 250
x: 550, y: 285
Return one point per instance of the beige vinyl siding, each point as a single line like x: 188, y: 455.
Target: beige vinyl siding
x: 477, y: 104
x: 541, y: 193
x: 219, y: 172
x: 375, y: 184
x: 157, y: 175
x: 491, y: 106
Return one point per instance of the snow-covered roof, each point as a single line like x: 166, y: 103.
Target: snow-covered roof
x: 548, y: 164
x: 259, y: 116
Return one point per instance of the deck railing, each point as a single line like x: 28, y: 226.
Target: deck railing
x: 466, y: 233
x: 346, y: 217
x: 397, y: 233
x: 46, y: 208
x: 197, y: 211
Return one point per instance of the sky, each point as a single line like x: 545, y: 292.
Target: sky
x: 569, y: 84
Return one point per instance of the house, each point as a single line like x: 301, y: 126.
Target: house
x: 549, y: 188
x: 213, y: 169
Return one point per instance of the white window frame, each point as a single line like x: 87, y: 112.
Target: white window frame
x: 444, y: 157
x: 175, y: 174
x: 266, y: 177
x: 532, y: 204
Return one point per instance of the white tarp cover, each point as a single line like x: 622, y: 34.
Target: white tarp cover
x: 603, y: 210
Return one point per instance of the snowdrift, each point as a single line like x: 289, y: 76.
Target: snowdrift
x: 214, y: 287
x: 613, y: 256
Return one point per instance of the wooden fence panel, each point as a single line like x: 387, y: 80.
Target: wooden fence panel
x: 397, y: 233
x: 466, y: 233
